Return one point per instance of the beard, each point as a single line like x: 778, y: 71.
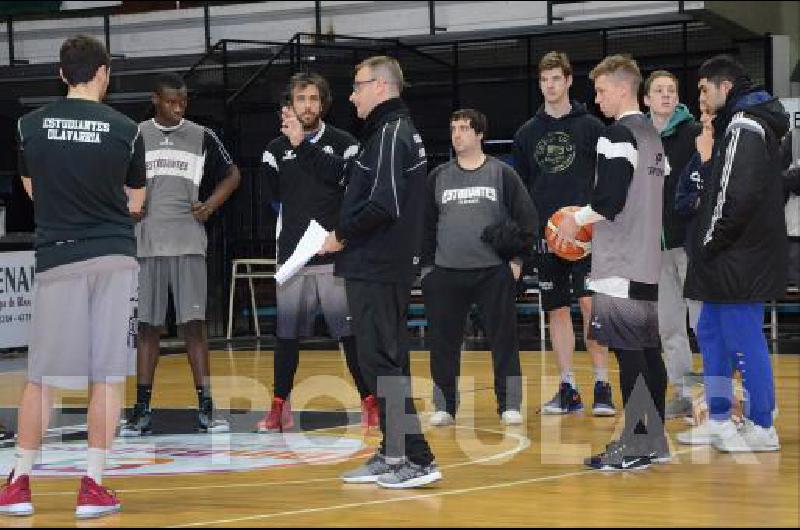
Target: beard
x: 310, y: 122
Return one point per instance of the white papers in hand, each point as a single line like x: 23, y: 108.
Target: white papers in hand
x: 307, y: 248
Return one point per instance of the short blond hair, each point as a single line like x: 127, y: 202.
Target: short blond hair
x: 384, y: 66
x: 620, y: 66
x: 556, y: 59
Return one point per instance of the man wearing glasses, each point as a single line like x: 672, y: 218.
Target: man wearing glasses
x: 378, y: 244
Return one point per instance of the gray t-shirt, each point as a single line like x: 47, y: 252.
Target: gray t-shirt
x: 177, y: 159
x: 462, y: 203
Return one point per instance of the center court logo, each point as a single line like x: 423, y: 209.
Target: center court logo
x: 182, y: 454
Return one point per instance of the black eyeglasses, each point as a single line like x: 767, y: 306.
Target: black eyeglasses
x: 357, y: 84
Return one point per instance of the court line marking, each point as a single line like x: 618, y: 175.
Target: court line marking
x: 523, y: 442
x: 382, y: 501
x: 462, y: 491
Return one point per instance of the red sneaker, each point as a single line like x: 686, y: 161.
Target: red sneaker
x: 370, y: 413
x: 15, y: 497
x: 95, y: 501
x: 279, y: 418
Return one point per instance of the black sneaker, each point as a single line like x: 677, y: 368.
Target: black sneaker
x: 206, y: 422
x: 7, y: 437
x: 603, y: 402
x: 139, y: 423
x: 618, y: 456
x: 566, y: 400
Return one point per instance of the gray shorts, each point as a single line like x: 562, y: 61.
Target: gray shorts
x: 300, y: 298
x: 84, y: 323
x: 624, y: 324
x: 185, y: 276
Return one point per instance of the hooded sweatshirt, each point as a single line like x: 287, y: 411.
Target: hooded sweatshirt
x: 678, y: 138
x: 555, y: 157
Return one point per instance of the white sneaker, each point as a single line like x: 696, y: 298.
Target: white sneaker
x: 441, y: 418
x: 512, y: 417
x: 703, y: 434
x: 750, y: 438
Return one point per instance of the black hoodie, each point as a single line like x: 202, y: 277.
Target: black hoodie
x: 739, y: 251
x: 556, y: 158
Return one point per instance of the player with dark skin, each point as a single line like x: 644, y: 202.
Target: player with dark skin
x: 170, y: 107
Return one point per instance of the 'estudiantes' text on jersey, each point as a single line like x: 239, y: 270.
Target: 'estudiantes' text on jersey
x: 177, y: 160
x: 80, y: 155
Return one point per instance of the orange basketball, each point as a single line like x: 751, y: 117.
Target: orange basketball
x: 569, y: 251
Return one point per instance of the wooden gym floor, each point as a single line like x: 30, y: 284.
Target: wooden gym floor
x: 530, y: 476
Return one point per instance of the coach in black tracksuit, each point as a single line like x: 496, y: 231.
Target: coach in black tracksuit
x: 465, y: 196
x: 378, y: 242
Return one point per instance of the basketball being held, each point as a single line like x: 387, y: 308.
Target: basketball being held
x: 568, y: 250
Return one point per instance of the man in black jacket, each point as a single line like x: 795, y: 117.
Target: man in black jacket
x: 739, y: 254
x: 378, y: 242
x: 678, y: 130
x: 790, y: 161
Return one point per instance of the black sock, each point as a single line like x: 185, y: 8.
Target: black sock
x: 203, y: 396
x: 143, y: 395
x: 656, y: 375
x: 287, y: 357
x: 632, y: 369
x: 351, y: 356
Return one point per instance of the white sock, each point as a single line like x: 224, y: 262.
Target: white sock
x: 96, y: 464
x: 601, y: 374
x: 23, y: 462
x: 568, y: 377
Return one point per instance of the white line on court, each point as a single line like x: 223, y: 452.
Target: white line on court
x: 462, y: 491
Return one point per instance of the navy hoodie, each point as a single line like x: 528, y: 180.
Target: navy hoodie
x: 556, y: 158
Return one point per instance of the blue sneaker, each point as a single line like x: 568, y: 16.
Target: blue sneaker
x: 603, y: 403
x: 566, y: 400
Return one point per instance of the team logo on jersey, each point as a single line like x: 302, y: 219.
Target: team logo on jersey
x: 166, y: 142
x: 288, y: 155
x: 194, y: 453
x: 472, y: 195
x: 555, y: 152
x: 328, y: 149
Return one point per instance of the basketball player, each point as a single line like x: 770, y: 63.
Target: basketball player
x: 172, y: 244
x: 555, y: 155
x: 790, y: 160
x: 305, y: 195
x: 678, y: 130
x: 739, y: 256
x: 7, y: 436
x: 625, y: 211
x: 77, y: 159
x: 465, y: 197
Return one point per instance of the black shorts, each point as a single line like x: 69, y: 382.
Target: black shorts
x: 561, y: 280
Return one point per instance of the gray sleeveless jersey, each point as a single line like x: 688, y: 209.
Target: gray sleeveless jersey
x: 175, y: 161
x: 628, y: 246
